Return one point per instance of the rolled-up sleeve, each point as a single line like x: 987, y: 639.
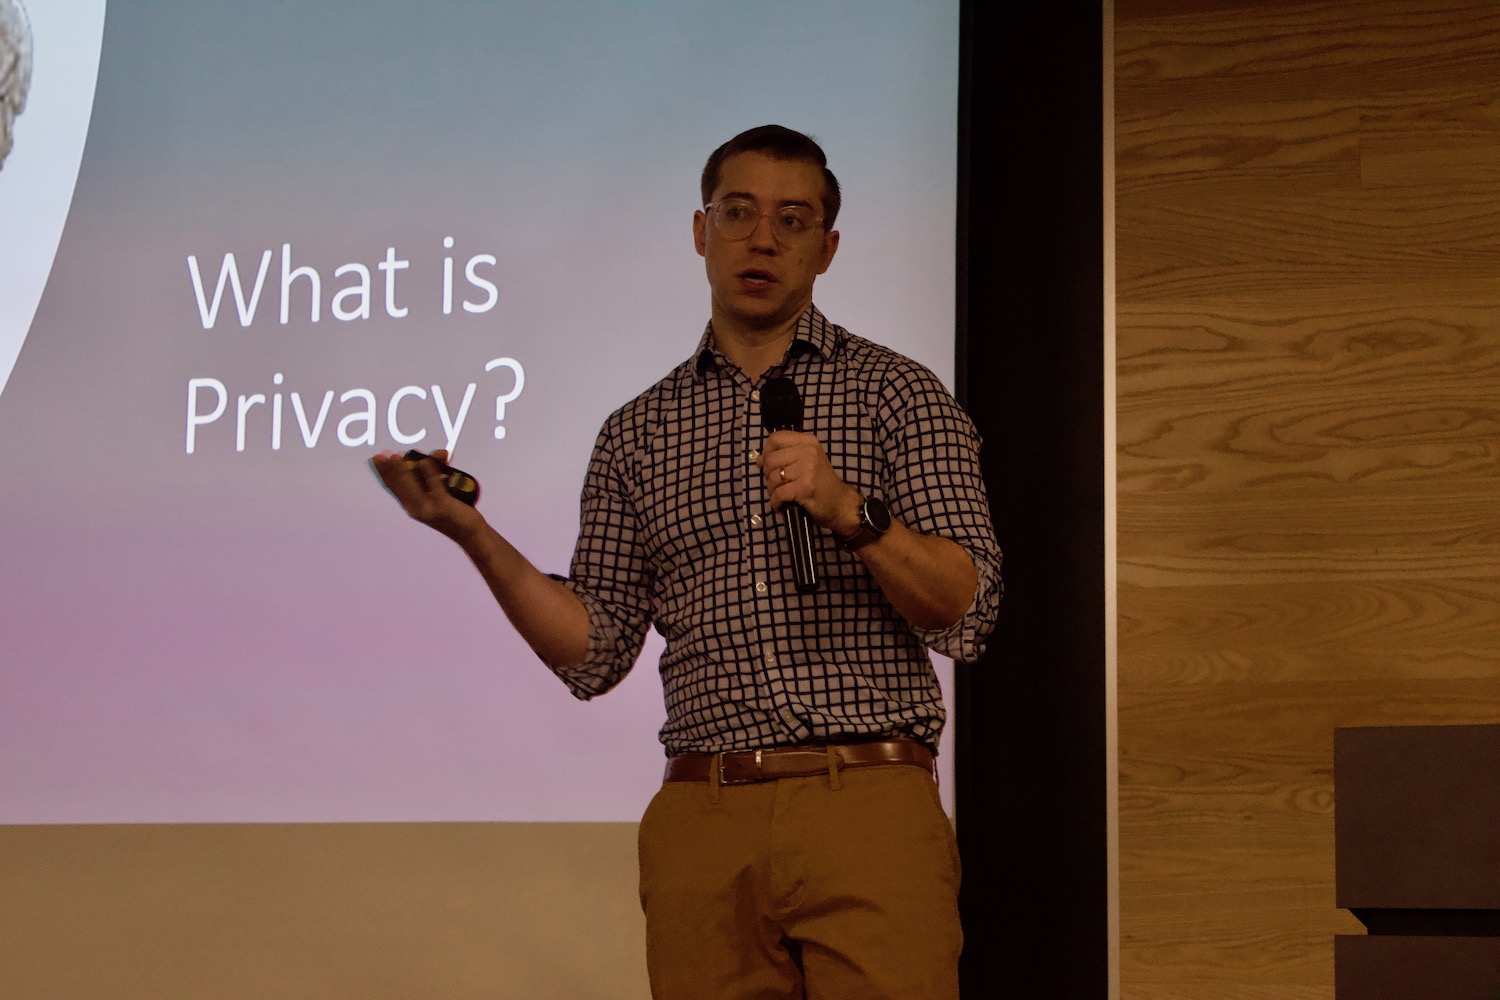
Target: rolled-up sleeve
x: 935, y: 485
x: 610, y: 574
x: 964, y: 641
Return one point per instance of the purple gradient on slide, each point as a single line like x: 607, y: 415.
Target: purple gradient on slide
x: 251, y: 633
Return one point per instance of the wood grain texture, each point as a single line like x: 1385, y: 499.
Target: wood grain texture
x: 1264, y: 991
x: 1308, y: 450
x: 1210, y: 55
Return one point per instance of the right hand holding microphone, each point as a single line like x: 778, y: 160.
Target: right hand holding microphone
x: 797, y: 470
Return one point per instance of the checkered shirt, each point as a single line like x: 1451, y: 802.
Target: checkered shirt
x: 677, y: 530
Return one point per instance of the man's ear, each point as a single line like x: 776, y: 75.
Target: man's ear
x: 830, y: 247
x: 700, y: 234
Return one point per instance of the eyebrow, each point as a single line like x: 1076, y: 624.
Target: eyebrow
x: 747, y: 196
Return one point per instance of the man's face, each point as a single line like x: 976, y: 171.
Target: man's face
x: 758, y: 283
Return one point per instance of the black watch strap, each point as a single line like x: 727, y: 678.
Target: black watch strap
x: 874, y: 521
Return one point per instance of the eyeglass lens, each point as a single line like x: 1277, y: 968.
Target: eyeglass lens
x: 737, y: 219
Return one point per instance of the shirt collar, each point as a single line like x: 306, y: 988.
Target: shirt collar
x: 813, y: 335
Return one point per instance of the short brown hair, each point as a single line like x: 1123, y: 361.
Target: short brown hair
x: 780, y: 143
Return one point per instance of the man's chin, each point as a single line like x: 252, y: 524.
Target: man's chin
x: 765, y: 320
x: 766, y: 309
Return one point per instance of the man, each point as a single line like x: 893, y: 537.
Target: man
x: 798, y: 845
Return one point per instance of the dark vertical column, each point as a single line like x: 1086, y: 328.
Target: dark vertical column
x: 1031, y: 776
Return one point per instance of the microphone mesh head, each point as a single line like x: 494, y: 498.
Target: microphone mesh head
x: 780, y: 405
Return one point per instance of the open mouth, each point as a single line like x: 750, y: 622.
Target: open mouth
x: 755, y: 277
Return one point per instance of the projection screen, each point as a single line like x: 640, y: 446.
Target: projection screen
x: 245, y: 246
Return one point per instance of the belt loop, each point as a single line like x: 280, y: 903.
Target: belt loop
x: 834, y: 763
x: 715, y: 773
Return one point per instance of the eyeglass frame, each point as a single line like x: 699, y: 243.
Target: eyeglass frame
x: 711, y: 208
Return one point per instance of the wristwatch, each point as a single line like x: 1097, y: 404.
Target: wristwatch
x: 874, y: 521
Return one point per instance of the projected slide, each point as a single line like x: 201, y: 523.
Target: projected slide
x: 248, y: 245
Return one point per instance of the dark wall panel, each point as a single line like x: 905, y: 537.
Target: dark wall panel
x: 1031, y: 762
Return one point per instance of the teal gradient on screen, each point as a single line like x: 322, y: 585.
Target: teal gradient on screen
x: 251, y: 630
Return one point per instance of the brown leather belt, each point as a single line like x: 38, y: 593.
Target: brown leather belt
x: 741, y: 767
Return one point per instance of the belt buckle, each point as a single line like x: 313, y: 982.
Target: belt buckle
x: 725, y: 779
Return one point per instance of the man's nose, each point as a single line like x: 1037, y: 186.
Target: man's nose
x: 763, y: 236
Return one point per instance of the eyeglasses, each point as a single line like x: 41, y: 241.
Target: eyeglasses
x: 737, y: 218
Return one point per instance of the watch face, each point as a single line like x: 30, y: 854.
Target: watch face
x: 877, y: 515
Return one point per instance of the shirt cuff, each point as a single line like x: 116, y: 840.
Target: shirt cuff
x: 964, y: 639
x: 601, y: 667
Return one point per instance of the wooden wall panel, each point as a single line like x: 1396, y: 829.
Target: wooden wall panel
x: 1308, y: 433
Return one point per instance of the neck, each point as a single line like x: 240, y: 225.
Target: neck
x: 753, y: 349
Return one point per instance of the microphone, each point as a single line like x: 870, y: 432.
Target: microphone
x: 781, y: 410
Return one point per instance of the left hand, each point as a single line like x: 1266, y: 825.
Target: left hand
x: 797, y: 470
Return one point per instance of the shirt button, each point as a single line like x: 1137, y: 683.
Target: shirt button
x: 755, y: 395
x: 755, y: 520
x: 755, y: 454
x: 760, y: 586
x: 770, y: 659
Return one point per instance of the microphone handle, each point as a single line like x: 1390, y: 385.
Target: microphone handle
x: 799, y: 531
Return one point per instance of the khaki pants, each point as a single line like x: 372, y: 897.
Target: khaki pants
x: 830, y: 887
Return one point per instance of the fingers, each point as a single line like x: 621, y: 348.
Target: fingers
x: 790, y: 482
x: 797, y: 470
x: 418, y: 487
x: 399, y: 474
x: 783, y: 457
